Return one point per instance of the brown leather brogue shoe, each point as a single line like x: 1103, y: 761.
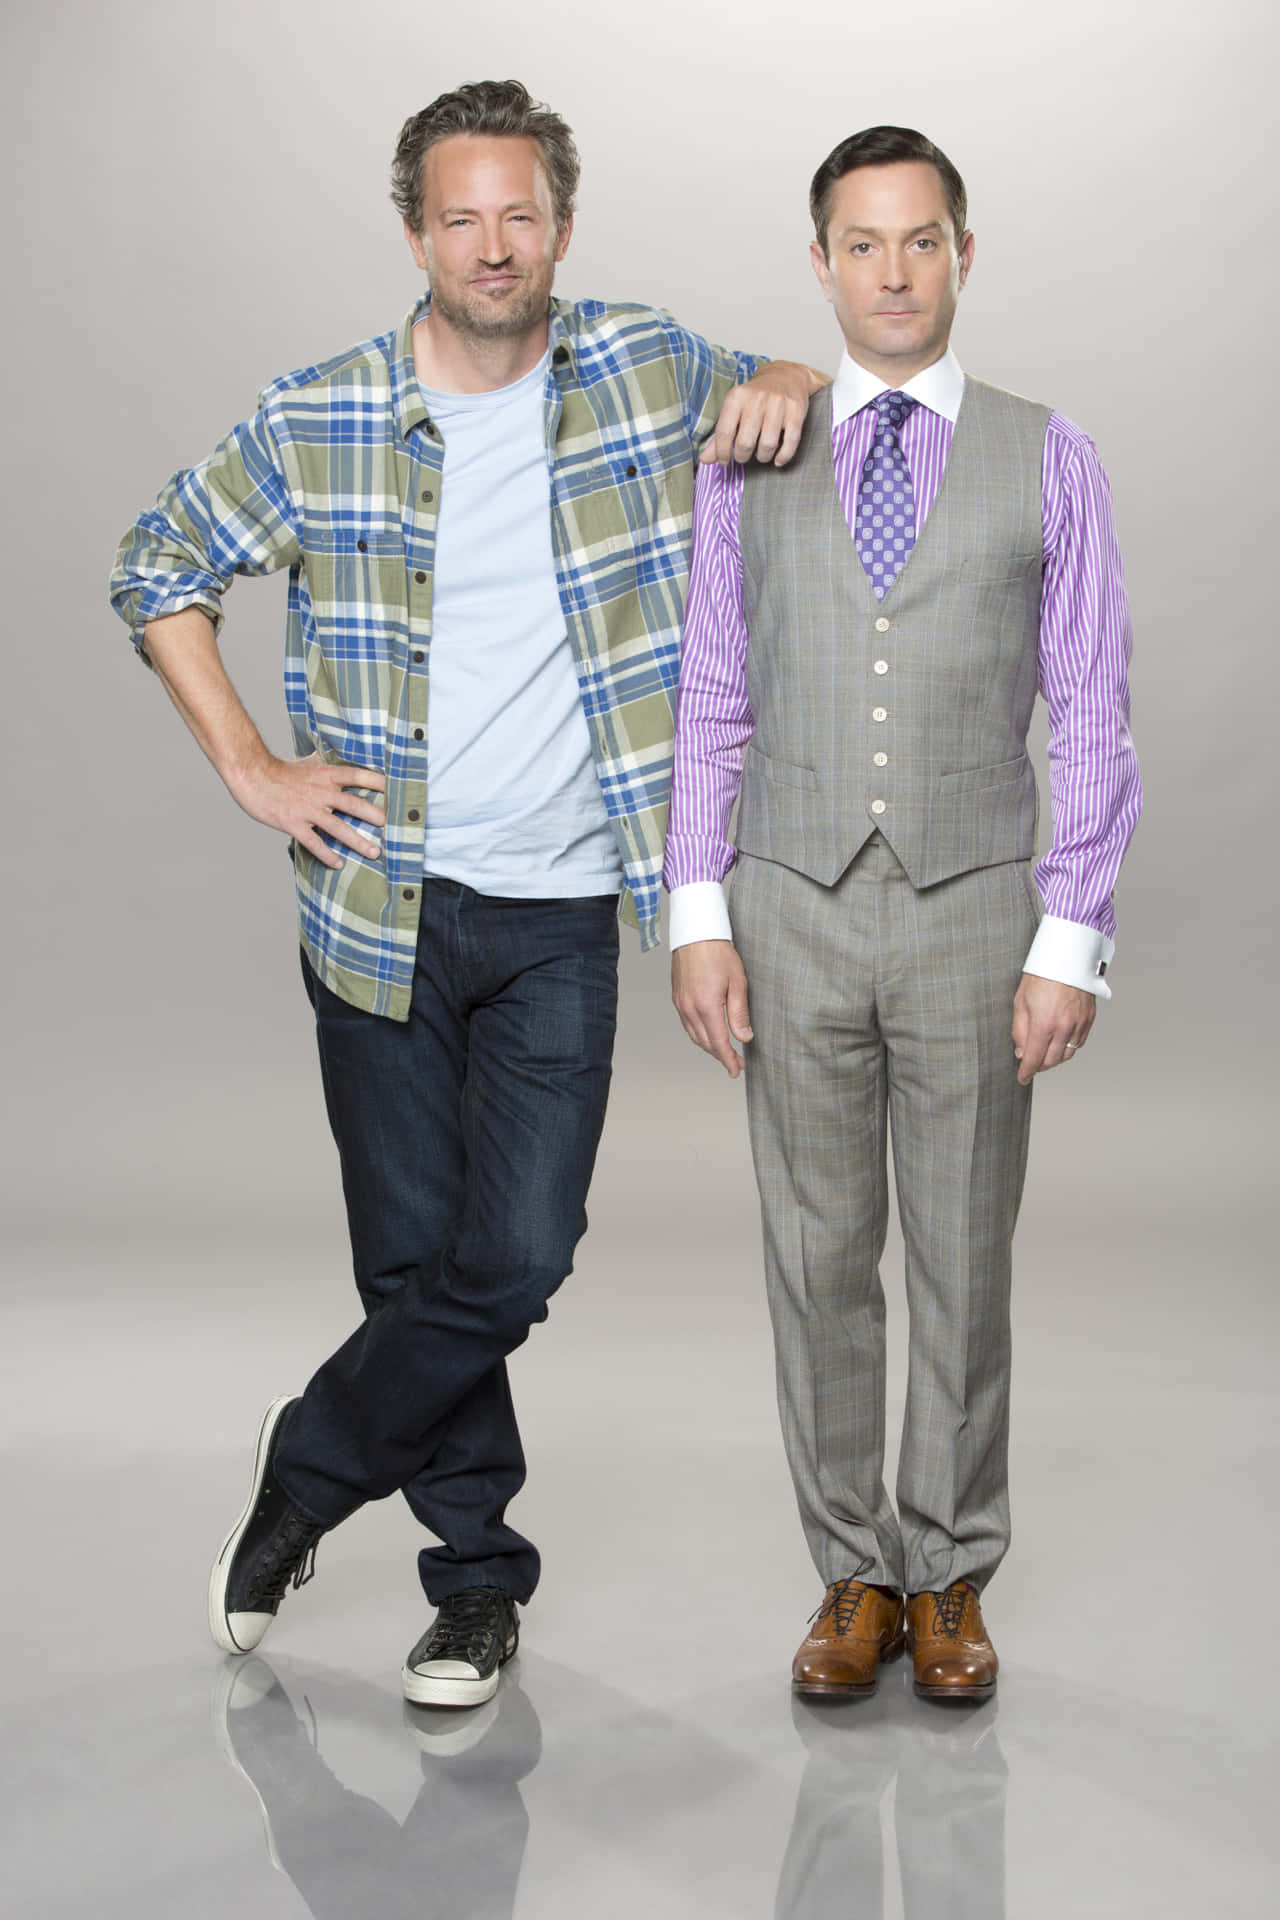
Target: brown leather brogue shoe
x: 854, y: 1629
x: 950, y: 1651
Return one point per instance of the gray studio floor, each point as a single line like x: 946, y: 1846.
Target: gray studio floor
x: 644, y: 1756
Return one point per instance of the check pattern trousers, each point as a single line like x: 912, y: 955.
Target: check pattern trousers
x: 882, y: 1015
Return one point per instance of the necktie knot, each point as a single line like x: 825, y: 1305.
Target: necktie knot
x: 892, y: 408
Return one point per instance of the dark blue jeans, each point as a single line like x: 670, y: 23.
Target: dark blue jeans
x: 467, y: 1139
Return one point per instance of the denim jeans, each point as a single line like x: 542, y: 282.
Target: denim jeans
x: 467, y: 1139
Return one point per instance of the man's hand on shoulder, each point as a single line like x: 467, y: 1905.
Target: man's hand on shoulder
x: 762, y: 419
x: 1051, y: 1023
x: 709, y: 989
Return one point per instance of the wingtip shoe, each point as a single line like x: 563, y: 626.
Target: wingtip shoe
x: 854, y: 1631
x: 951, y: 1652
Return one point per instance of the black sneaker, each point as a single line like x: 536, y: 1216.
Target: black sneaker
x: 456, y: 1662
x: 270, y: 1545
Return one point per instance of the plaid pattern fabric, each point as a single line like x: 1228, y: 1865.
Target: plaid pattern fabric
x: 337, y: 477
x: 881, y: 1013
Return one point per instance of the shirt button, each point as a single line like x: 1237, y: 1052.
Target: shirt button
x: 881, y: 759
x: 418, y: 734
x: 419, y: 656
x: 560, y: 355
x: 882, y: 625
x: 420, y: 577
x: 882, y: 666
x: 414, y: 814
x: 879, y: 713
x: 631, y: 473
x: 409, y: 894
x: 362, y: 546
x: 877, y: 806
x: 428, y: 495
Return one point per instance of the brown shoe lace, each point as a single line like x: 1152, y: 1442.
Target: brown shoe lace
x: 948, y: 1609
x: 841, y: 1604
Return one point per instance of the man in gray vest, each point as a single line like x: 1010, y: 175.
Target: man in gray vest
x: 865, y: 636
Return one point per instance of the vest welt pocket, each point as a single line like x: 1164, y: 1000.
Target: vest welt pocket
x: 1006, y: 773
x: 999, y: 569
x: 779, y: 772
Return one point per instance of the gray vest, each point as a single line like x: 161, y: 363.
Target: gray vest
x: 909, y: 715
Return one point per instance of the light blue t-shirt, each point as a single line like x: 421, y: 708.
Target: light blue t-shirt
x: 513, y: 803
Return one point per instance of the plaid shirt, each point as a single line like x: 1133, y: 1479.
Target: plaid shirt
x: 338, y: 478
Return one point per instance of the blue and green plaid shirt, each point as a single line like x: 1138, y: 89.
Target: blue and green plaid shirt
x: 338, y: 478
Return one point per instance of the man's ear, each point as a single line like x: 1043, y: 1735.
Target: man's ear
x: 416, y: 247
x: 818, y: 260
x: 965, y: 251
x: 563, y: 236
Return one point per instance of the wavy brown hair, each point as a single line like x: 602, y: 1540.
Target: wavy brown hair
x: 487, y: 107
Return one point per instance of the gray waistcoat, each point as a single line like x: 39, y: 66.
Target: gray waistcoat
x: 939, y: 677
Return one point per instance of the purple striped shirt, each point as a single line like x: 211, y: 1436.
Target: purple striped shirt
x: 1084, y: 648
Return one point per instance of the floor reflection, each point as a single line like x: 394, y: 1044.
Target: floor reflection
x: 948, y: 1780
x: 459, y: 1848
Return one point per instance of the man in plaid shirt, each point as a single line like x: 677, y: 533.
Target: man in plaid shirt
x: 493, y: 503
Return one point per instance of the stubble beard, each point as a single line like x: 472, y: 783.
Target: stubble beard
x: 475, y: 318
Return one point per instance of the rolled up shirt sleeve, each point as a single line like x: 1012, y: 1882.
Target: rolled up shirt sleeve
x: 232, y: 514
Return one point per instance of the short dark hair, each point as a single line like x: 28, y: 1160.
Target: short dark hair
x: 882, y: 147
x: 491, y: 107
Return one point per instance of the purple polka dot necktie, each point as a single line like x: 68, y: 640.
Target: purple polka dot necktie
x: 885, y: 526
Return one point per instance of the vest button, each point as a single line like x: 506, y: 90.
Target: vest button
x: 882, y: 666
x: 881, y: 759
x: 879, y: 713
x: 882, y: 625
x: 877, y: 806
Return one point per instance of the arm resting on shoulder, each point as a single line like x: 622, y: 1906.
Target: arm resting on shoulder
x: 763, y: 419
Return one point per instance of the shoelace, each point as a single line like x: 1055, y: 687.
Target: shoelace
x: 465, y: 1621
x: 290, y: 1559
x: 841, y: 1605
x: 948, y: 1609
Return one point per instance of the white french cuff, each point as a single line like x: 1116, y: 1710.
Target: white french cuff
x: 1077, y: 956
x: 698, y: 912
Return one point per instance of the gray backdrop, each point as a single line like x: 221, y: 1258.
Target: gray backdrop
x: 198, y: 201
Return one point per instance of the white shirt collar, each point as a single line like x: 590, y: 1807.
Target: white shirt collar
x: 939, y: 387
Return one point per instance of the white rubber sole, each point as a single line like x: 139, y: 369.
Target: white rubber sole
x: 423, y: 1690
x: 219, y: 1622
